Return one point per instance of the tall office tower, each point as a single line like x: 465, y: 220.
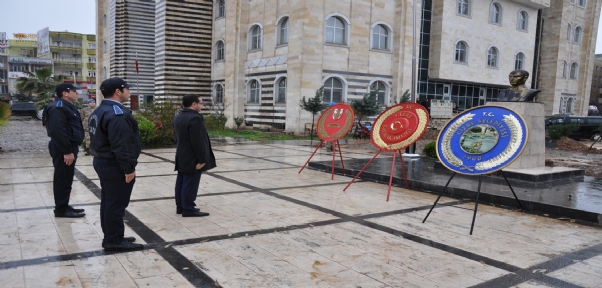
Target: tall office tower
x: 183, y: 48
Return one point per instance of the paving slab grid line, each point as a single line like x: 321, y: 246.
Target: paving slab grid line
x: 272, y: 227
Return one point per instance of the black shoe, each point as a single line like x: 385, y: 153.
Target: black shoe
x: 179, y: 210
x: 68, y: 214
x: 76, y: 210
x: 194, y: 214
x: 123, y: 246
x: 126, y: 239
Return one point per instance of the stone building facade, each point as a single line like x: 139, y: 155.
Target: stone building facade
x: 268, y: 54
x: 596, y: 88
x: 568, y: 45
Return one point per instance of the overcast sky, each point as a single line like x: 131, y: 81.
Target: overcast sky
x: 30, y: 16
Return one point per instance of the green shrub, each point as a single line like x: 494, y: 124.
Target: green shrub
x: 148, y: 131
x: 430, y: 150
x: 558, y: 131
x: 238, y: 121
x: 215, y: 122
x: 162, y: 115
x: 4, y: 113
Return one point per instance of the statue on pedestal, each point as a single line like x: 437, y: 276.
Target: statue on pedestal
x: 518, y: 92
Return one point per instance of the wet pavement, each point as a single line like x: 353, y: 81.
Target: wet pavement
x: 272, y: 227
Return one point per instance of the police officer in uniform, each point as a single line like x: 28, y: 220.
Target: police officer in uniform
x: 64, y: 127
x: 115, y: 144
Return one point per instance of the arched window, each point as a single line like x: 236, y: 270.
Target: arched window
x: 564, y: 69
x: 570, y: 105
x: 218, y: 97
x: 582, y: 3
x: 336, y: 30
x: 254, y: 92
x: 333, y: 90
x: 380, y: 37
x: 578, y: 34
x: 221, y: 8
x: 519, y: 61
x: 568, y: 33
x: 255, y: 37
x: 492, y: 57
x: 464, y: 7
x: 461, y: 52
x: 280, y: 91
x: 104, y: 47
x: 381, y: 95
x: 219, y: 51
x: 104, y: 73
x: 574, y: 70
x: 495, y: 13
x: 283, y: 31
x: 523, y: 20
x: 104, y: 20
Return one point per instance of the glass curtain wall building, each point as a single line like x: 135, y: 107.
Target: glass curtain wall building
x: 465, y: 94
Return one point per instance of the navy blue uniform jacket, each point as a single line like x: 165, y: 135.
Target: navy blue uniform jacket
x: 114, y: 135
x: 193, y: 145
x: 64, y: 125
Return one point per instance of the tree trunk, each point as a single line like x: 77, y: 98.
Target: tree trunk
x: 311, y: 131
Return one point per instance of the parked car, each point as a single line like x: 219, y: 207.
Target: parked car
x: 589, y: 127
x: 25, y: 109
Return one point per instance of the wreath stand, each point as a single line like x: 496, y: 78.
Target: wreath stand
x: 333, y: 157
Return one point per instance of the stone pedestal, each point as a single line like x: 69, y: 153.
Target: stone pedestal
x: 534, y: 154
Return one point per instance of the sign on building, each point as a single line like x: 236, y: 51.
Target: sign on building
x: 43, y: 42
x: 3, y: 40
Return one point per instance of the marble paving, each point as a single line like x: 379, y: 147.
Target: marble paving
x: 273, y: 227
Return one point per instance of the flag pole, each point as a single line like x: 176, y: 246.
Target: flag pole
x: 137, y: 86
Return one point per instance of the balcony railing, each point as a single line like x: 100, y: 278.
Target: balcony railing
x: 91, y: 51
x: 70, y: 77
x: 91, y: 66
x: 58, y: 63
x: 58, y: 49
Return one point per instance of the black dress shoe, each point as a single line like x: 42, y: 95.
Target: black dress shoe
x: 68, y: 214
x: 179, y: 210
x: 194, y: 214
x: 126, y: 239
x: 76, y: 210
x: 123, y: 246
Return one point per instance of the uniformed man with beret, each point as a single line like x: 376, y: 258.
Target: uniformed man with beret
x: 115, y: 144
x: 64, y: 127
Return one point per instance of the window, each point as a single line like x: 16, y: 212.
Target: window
x: 464, y: 7
x: 381, y: 95
x: 254, y: 92
x: 519, y: 61
x: 495, y: 13
x: 574, y: 70
x: 564, y: 69
x: 333, y: 90
x: 570, y: 106
x: 283, y: 31
x: 461, y: 52
x: 219, y: 51
x: 492, y: 57
x: 104, y: 21
x: 255, y: 37
x: 380, y: 37
x: 581, y: 3
x: 91, y: 74
x: 218, y: 94
x: 91, y: 45
x: 221, y: 9
x: 577, y: 35
x: 335, y: 30
x: 104, y: 73
x: 568, y: 33
x: 104, y: 47
x: 281, y: 91
x: 523, y: 20
x: 23, y: 52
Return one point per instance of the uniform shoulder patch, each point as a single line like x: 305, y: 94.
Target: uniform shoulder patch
x: 117, y: 110
x: 59, y: 103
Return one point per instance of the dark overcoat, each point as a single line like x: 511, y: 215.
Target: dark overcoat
x: 193, y: 145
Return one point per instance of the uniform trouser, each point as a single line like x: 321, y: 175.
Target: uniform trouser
x: 63, y: 177
x: 187, y: 187
x: 114, y: 198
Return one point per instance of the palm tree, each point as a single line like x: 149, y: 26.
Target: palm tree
x: 41, y: 83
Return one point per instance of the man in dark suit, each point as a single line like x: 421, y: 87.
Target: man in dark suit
x: 193, y: 155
